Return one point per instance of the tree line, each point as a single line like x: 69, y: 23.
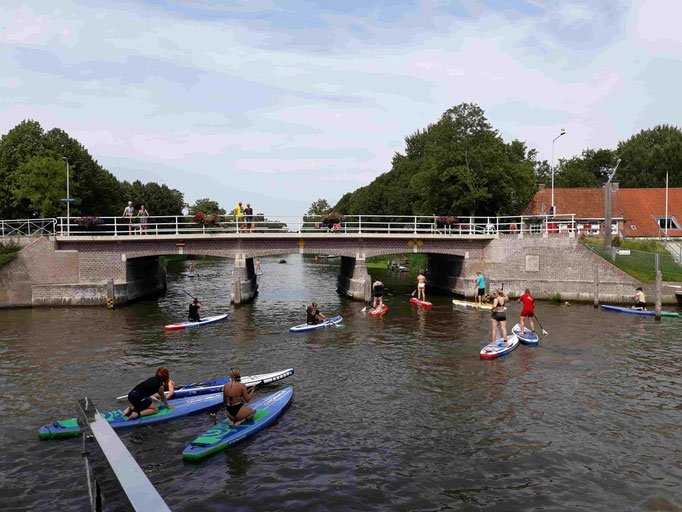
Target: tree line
x: 461, y: 165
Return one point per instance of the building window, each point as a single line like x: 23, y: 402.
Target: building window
x: 672, y: 223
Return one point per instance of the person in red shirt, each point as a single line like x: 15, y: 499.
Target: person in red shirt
x: 527, y: 311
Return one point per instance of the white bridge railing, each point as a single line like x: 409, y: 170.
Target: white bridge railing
x: 302, y: 224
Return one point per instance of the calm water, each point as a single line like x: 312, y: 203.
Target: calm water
x: 391, y: 413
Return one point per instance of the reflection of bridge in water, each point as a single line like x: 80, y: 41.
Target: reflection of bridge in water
x: 110, y: 258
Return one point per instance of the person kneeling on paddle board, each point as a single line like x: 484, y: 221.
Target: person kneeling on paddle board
x: 499, y: 318
x: 378, y: 289
x: 313, y: 314
x: 421, y: 288
x: 527, y: 311
x: 194, y: 312
x: 235, y: 396
x: 640, y: 300
x: 140, y: 397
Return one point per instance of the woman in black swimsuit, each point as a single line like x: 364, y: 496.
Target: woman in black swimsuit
x: 235, y: 395
x: 498, y: 317
x: 140, y: 398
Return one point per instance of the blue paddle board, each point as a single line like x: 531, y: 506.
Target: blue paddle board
x: 638, y: 311
x: 311, y: 327
x: 203, y: 321
x: 223, y: 435
x: 528, y: 337
x: 498, y: 349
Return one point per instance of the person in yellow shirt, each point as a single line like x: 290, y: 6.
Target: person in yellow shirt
x: 239, y: 212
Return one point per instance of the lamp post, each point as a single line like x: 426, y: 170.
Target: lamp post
x: 68, y: 202
x: 563, y: 132
x: 607, y: 208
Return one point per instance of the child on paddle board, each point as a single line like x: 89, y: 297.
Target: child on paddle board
x: 194, y: 311
x: 421, y: 288
x: 235, y: 396
x: 527, y: 310
x: 141, y: 403
x: 499, y: 318
x: 378, y: 291
x: 640, y: 300
x: 313, y: 314
x: 480, y: 288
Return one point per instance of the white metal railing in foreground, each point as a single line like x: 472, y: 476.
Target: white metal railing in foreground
x: 302, y: 224
x: 28, y: 227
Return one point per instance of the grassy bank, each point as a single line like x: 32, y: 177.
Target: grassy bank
x: 414, y: 261
x: 7, y: 253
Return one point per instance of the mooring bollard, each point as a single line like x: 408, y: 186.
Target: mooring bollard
x: 659, y: 283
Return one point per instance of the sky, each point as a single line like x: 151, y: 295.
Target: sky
x: 280, y: 103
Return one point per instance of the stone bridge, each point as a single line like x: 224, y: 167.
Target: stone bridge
x: 81, y: 270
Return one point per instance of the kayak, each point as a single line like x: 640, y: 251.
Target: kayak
x: 638, y: 311
x: 222, y: 435
x: 422, y: 303
x: 528, y: 337
x: 499, y: 349
x: 181, y: 407
x: 468, y: 304
x: 216, y: 386
x: 311, y: 327
x: 378, y: 312
x: 203, y: 321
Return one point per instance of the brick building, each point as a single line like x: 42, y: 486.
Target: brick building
x: 636, y: 212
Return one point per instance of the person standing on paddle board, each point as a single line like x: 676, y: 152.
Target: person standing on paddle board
x: 140, y: 397
x: 421, y: 288
x: 499, y: 318
x: 378, y: 291
x: 194, y: 311
x: 480, y: 288
x: 313, y: 315
x: 257, y: 265
x: 235, y: 396
x: 527, y: 311
x: 640, y: 300
x: 191, y: 267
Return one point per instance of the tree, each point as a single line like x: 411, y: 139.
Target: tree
x: 647, y: 156
x: 39, y: 185
x: 319, y: 207
x: 207, y: 206
x: 590, y: 170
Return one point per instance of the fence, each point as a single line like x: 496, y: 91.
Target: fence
x: 641, y: 264
x: 28, y: 227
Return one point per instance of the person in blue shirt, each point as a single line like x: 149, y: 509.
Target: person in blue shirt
x: 480, y: 288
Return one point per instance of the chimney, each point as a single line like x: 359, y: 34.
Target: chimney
x: 615, y: 184
x: 541, y: 187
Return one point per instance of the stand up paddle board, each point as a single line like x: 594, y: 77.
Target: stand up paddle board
x: 468, y: 304
x: 191, y: 275
x: 311, y: 327
x: 203, y: 321
x: 181, y: 407
x: 223, y: 435
x: 528, y: 337
x: 638, y: 311
x: 216, y: 386
x: 499, y: 349
x: 422, y: 303
x: 378, y: 311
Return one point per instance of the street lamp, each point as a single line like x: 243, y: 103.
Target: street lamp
x: 68, y: 200
x: 563, y: 132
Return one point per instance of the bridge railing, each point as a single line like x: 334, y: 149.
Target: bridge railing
x: 259, y: 223
x: 28, y: 227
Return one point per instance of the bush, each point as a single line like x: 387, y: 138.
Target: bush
x: 7, y: 253
x: 556, y: 298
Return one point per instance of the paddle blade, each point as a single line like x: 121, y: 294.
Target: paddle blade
x: 544, y: 332
x: 363, y: 309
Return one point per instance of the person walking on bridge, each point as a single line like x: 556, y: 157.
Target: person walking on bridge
x: 129, y: 211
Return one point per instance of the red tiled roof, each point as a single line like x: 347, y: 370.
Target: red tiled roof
x: 586, y: 203
x: 639, y: 206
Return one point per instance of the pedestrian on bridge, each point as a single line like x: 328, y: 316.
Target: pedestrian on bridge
x: 143, y: 214
x: 129, y: 211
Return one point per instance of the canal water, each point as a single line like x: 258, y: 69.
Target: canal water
x: 390, y: 413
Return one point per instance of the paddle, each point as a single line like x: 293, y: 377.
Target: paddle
x: 541, y: 327
x: 415, y: 291
x: 370, y: 300
x: 214, y: 414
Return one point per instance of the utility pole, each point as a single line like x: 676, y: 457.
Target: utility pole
x: 607, y: 207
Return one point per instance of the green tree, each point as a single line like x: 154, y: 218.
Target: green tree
x: 647, y: 156
x: 589, y: 170
x: 39, y: 185
x: 207, y: 206
x: 319, y: 207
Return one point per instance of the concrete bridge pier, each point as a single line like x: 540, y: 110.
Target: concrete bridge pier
x: 353, y: 279
x: 244, y: 282
x: 447, y: 273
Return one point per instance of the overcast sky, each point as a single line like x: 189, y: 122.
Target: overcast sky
x: 282, y: 102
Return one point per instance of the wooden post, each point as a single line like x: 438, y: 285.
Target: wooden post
x: 596, y: 287
x: 659, y: 283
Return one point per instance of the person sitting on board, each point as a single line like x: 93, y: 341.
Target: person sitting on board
x: 194, y: 311
x: 499, y: 318
x: 378, y: 289
x: 527, y: 310
x: 640, y: 300
x: 313, y: 314
x: 480, y: 288
x: 234, y: 396
x: 140, y: 397
x: 421, y: 288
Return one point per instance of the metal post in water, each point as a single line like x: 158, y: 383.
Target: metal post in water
x: 659, y: 284
x: 596, y: 287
